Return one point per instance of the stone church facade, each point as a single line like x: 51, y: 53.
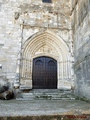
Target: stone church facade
x: 43, y: 30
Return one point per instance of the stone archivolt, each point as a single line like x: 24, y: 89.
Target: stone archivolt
x: 45, y: 44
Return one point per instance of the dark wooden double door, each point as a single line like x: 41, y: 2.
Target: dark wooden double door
x: 44, y: 73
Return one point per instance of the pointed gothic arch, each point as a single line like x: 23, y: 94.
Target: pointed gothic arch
x: 45, y: 43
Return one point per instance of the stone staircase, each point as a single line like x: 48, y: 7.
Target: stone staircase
x: 46, y: 94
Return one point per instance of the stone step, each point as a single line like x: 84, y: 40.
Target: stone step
x: 41, y: 94
x: 49, y: 91
x: 47, y: 95
x: 45, y: 98
x: 53, y: 95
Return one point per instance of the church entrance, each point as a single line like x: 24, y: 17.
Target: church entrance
x: 44, y: 73
x: 45, y: 62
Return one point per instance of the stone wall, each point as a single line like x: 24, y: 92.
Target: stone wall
x: 19, y: 20
x: 81, y: 36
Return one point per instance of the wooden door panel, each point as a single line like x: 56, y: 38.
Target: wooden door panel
x: 44, y: 73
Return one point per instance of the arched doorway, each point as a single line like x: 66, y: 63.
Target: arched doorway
x: 44, y: 73
x: 43, y: 44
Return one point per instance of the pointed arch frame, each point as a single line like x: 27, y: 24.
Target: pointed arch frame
x: 61, y: 54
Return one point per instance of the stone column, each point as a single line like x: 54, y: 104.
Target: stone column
x: 17, y: 77
x: 19, y: 61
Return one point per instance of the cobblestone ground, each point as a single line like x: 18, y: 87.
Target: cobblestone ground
x: 43, y: 107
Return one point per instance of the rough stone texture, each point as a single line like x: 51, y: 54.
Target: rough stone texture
x: 66, y: 23
x: 81, y: 37
x: 19, y: 21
